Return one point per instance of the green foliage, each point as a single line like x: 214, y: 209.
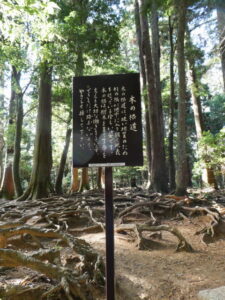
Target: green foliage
x: 98, y: 37
x: 92, y: 24
x: 215, y: 117
x: 211, y: 152
x: 122, y: 176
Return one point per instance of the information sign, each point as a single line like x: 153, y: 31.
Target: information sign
x: 107, y: 127
x: 107, y: 132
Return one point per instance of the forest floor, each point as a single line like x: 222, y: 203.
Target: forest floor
x: 162, y: 273
x: 158, y: 272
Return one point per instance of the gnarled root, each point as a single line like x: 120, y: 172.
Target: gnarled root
x: 76, y: 283
x: 183, y: 245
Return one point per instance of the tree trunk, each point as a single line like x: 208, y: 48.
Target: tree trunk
x: 2, y: 142
x: 156, y: 66
x: 84, y: 183
x: 182, y: 170
x: 40, y: 178
x: 158, y: 165
x: 171, y: 161
x: 156, y: 60
x: 79, y: 69
x: 75, y: 182
x: 18, y: 137
x: 42, y: 163
x: 144, y: 92
x: 58, y: 184
x: 208, y: 176
x: 8, y: 190
x: 196, y: 103
x: 99, y: 178
x: 221, y: 29
x: 7, y: 185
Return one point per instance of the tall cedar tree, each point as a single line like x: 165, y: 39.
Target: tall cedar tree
x: 171, y: 161
x: 18, y: 137
x: 7, y: 185
x: 144, y: 91
x: 221, y: 29
x: 182, y: 168
x: 158, y: 164
x: 42, y: 163
x: 2, y: 142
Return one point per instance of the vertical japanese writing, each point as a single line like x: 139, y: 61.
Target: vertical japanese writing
x: 95, y: 119
x: 132, y: 114
x: 124, y: 121
x: 82, y: 115
x: 107, y: 118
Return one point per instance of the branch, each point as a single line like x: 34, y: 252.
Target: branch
x: 203, y: 23
x: 26, y: 87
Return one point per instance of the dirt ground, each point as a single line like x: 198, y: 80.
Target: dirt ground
x: 158, y: 273
x: 162, y: 273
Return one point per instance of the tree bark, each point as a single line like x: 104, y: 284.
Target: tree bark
x: 181, y: 171
x: 156, y: 66
x: 171, y: 161
x: 144, y: 92
x: 75, y: 182
x: 40, y: 179
x: 42, y: 163
x: 221, y: 29
x: 84, y: 183
x: 99, y: 178
x: 18, y: 137
x: 58, y: 184
x: 156, y: 59
x: 2, y: 142
x: 7, y: 185
x: 158, y: 164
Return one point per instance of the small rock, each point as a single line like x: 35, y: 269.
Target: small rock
x: 212, y: 294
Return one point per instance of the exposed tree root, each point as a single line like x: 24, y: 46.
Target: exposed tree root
x: 72, y: 282
x: 183, y: 245
x: 170, y: 205
x: 75, y: 283
x: 81, y: 274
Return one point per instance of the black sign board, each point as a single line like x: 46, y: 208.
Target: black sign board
x: 107, y: 127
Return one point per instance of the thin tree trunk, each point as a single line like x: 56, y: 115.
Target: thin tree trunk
x: 196, y: 104
x: 158, y: 165
x: 144, y: 92
x: 156, y: 59
x: 18, y: 137
x: 181, y: 171
x: 2, y: 142
x: 59, y: 178
x: 221, y: 29
x: 7, y: 185
x: 208, y: 176
x: 75, y: 183
x: 171, y: 161
x: 84, y: 183
x: 99, y: 178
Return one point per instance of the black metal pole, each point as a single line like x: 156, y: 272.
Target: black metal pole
x: 110, y: 273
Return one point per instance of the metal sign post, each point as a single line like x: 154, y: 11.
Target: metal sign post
x: 109, y: 221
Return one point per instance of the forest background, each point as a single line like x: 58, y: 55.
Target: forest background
x: 177, y: 46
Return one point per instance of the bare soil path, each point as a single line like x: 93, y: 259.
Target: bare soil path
x: 162, y: 273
